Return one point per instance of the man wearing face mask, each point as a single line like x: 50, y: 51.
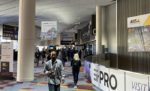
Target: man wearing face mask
x: 53, y: 69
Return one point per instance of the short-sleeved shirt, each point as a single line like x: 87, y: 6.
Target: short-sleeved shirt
x: 57, y: 68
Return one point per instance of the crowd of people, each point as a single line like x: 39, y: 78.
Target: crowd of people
x: 64, y: 54
x: 55, y: 60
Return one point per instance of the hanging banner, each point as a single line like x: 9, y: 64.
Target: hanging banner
x: 48, y: 30
x: 10, y: 32
x: 136, y: 82
x: 139, y: 21
x: 67, y: 38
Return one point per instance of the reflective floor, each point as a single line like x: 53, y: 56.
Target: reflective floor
x: 40, y: 82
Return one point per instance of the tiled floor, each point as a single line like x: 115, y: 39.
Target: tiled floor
x: 40, y: 82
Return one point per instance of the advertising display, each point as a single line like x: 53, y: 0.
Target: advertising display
x: 136, y: 82
x: 116, y: 80
x: 67, y: 38
x: 48, y: 30
x: 10, y: 32
x: 139, y: 21
x: 138, y: 33
x: 107, y: 79
x: 7, y: 56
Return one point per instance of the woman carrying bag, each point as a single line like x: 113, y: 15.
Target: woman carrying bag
x: 76, y: 64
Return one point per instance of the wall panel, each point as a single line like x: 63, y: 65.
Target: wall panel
x: 135, y: 61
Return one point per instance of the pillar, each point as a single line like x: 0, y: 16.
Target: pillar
x: 25, y: 65
x: 98, y: 30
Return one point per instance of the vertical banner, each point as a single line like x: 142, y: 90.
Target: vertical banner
x: 136, y: 82
x: 48, y: 30
x: 7, y: 56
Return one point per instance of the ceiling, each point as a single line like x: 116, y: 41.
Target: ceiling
x: 67, y: 12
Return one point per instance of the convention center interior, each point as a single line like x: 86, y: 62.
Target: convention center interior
x: 74, y: 45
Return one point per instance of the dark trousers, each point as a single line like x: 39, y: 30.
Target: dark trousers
x: 53, y: 87
x: 75, y: 75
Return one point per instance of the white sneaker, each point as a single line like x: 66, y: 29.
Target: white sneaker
x: 75, y: 86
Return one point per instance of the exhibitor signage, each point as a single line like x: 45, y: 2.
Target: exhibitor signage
x: 67, y: 38
x: 6, y: 60
x: 138, y: 33
x: 117, y: 80
x: 106, y: 80
x: 48, y: 30
x: 138, y: 21
x: 136, y: 82
x: 10, y: 32
x: 7, y: 55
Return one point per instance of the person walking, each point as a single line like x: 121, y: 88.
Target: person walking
x: 76, y: 64
x: 37, y: 56
x: 64, y: 56
x: 43, y: 54
x: 53, y: 69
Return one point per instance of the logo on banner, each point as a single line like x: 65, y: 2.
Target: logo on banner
x: 139, y: 21
x: 135, y: 21
x: 110, y: 81
x: 136, y: 86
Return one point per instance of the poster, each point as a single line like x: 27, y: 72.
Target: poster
x: 7, y: 55
x: 138, y: 33
x: 48, y: 30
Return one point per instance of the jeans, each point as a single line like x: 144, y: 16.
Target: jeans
x: 53, y: 87
x: 75, y: 75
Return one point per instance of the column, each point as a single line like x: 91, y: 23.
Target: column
x: 25, y: 65
x: 98, y: 30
